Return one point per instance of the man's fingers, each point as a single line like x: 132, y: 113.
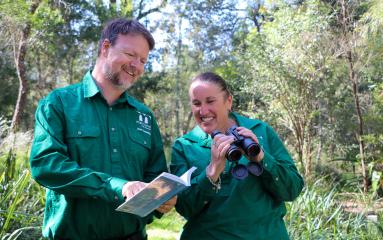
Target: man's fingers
x: 132, y: 188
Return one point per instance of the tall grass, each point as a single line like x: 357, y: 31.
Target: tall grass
x: 21, y: 208
x: 21, y: 199
x: 318, y: 214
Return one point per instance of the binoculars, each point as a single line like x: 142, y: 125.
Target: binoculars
x: 241, y: 144
x: 247, y: 145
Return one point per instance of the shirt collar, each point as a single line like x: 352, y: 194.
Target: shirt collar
x: 90, y: 86
x: 244, y: 121
x: 199, y: 136
x: 91, y: 89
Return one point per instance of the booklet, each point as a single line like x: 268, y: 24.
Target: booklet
x: 157, y: 192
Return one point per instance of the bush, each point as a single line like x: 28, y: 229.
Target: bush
x: 318, y: 213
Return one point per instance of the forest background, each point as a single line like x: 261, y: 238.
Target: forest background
x: 312, y: 69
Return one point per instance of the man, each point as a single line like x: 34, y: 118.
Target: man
x: 95, y: 145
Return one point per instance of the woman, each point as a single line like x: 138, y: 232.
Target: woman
x: 219, y: 205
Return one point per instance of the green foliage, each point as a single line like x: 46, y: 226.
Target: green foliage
x: 17, y: 188
x: 8, y: 92
x: 319, y: 213
x: 286, y: 67
x: 46, y: 19
x: 166, y: 228
x: 14, y: 12
x: 21, y: 207
x: 372, y: 20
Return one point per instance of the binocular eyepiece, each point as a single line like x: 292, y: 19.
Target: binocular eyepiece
x: 247, y: 145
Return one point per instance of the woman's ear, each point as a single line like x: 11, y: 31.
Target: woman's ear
x: 229, y: 102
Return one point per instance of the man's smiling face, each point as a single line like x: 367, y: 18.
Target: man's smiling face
x: 125, y: 60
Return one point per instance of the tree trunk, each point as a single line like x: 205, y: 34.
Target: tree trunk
x: 20, y: 53
x: 23, y: 86
x: 320, y: 135
x: 360, y: 132
x: 346, y: 21
x: 187, y: 123
x: 178, y: 79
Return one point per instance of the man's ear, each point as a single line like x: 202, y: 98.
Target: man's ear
x: 106, y: 44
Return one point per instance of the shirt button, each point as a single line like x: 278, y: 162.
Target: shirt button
x: 110, y: 108
x: 114, y: 150
x: 144, y: 142
x: 115, y: 198
x: 265, y: 164
x: 113, y: 129
x: 79, y: 132
x: 276, y: 179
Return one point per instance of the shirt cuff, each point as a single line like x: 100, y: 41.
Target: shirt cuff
x: 204, y: 184
x: 268, y: 162
x: 116, y: 185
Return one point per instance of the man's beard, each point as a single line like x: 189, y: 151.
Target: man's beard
x: 114, y: 78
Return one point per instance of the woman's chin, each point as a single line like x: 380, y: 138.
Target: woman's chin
x: 207, y: 128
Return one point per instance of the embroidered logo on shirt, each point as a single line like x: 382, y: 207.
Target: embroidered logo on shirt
x: 144, y: 123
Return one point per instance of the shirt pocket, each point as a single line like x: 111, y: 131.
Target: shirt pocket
x: 138, y: 149
x: 84, y: 144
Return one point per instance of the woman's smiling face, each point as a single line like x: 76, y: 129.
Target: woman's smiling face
x: 210, y: 106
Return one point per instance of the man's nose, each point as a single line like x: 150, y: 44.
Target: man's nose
x: 135, y: 63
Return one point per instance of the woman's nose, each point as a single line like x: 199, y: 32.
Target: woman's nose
x: 203, y: 110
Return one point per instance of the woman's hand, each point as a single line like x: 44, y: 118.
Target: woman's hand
x: 219, y: 147
x: 249, y: 134
x: 167, y: 206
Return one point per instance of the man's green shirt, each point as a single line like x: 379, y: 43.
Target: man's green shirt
x: 84, y: 151
x: 252, y: 208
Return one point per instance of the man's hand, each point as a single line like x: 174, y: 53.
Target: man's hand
x: 167, y: 206
x: 132, y: 188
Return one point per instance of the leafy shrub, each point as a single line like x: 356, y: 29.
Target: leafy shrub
x: 318, y: 214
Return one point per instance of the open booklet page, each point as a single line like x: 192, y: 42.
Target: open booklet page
x: 158, y: 191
